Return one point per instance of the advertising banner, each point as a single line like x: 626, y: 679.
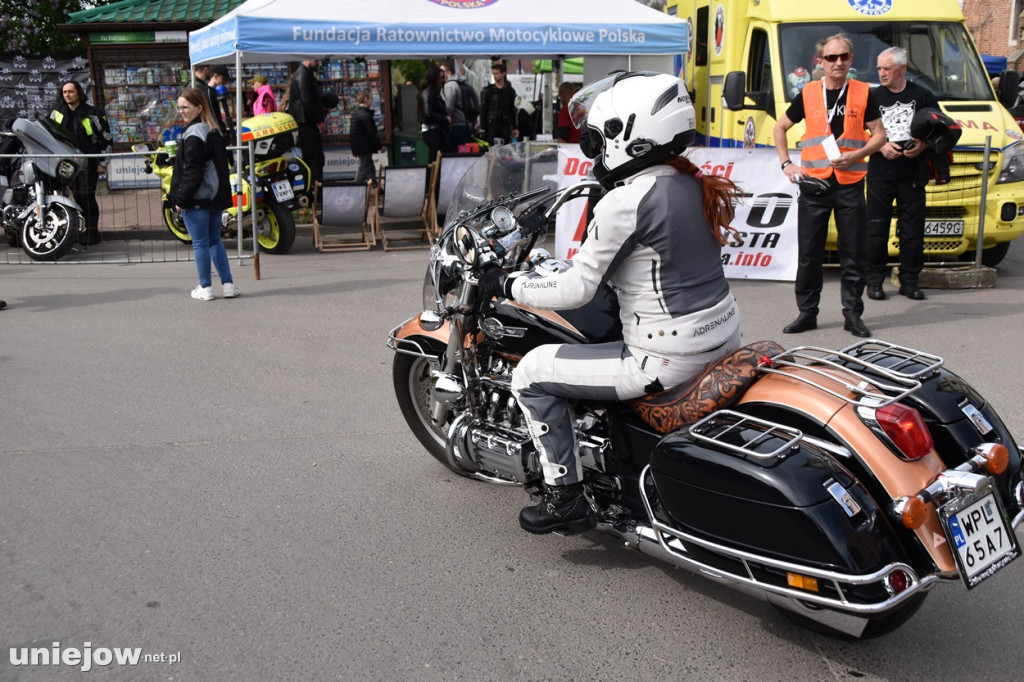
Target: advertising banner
x: 765, y: 246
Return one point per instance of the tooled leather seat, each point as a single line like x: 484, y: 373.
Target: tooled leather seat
x: 719, y: 386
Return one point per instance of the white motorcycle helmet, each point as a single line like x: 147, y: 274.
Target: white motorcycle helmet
x: 632, y: 120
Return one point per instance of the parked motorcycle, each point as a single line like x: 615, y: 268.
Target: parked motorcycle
x: 840, y: 485
x: 37, y: 191
x: 281, y: 183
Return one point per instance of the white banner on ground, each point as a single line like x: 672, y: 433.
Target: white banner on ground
x: 766, y: 246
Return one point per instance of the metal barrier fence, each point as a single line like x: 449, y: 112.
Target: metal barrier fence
x: 131, y: 219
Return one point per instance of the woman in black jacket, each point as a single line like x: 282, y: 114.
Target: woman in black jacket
x: 201, y: 190
x: 434, y: 117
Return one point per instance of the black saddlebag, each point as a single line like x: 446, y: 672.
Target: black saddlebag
x: 735, y: 481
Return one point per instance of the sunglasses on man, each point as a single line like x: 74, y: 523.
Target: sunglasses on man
x: 833, y: 58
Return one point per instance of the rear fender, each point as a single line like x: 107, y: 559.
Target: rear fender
x: 897, y: 477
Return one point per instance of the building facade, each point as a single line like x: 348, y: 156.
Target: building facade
x: 998, y: 28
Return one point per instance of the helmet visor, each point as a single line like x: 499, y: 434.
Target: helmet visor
x: 580, y: 104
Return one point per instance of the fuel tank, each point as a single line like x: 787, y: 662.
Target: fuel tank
x: 517, y: 328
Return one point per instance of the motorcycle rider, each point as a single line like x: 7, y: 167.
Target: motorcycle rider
x: 656, y: 238
x: 88, y: 127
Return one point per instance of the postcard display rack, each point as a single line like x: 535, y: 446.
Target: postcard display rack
x: 346, y: 77
x: 139, y: 95
x: 140, y: 99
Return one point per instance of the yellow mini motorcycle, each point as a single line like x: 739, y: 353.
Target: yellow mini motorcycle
x: 281, y: 184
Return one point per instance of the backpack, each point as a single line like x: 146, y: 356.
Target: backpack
x: 470, y: 102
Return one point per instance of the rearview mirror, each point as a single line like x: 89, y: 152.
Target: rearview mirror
x: 1009, y: 81
x: 734, y: 91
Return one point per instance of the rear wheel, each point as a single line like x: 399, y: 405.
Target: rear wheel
x: 876, y: 626
x: 53, y: 237
x: 276, y: 228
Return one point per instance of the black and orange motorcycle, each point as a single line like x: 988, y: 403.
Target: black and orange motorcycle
x: 840, y: 485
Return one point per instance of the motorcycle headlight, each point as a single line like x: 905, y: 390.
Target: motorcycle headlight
x: 66, y: 169
x: 1013, y: 165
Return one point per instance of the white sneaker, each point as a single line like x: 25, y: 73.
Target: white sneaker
x: 203, y: 293
x: 230, y: 290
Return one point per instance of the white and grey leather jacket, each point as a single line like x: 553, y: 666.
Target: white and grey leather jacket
x: 650, y: 242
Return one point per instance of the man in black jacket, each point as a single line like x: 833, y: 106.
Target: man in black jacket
x: 364, y: 137
x: 498, y: 107
x: 305, y: 104
x: 88, y: 127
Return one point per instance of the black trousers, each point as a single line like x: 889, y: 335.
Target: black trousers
x: 85, y: 193
x: 910, y: 201
x: 312, y: 153
x: 813, y: 212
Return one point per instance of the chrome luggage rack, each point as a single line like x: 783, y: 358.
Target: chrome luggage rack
x: 733, y: 422
x: 813, y: 360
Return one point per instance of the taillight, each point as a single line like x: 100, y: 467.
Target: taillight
x: 906, y: 429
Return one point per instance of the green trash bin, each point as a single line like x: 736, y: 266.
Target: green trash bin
x: 408, y: 150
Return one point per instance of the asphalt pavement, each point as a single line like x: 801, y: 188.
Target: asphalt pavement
x: 229, y: 488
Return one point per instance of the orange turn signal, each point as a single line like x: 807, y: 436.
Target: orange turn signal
x: 914, y: 513
x: 804, y: 582
x: 997, y: 458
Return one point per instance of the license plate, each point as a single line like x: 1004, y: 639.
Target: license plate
x: 943, y: 228
x: 283, y: 190
x: 981, y: 539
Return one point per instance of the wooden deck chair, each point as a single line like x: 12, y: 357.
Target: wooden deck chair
x: 347, y: 209
x: 403, y: 204
x: 452, y: 168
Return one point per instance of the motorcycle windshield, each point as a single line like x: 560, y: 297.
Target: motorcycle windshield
x: 517, y: 167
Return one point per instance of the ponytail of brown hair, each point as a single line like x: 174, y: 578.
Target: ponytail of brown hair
x: 719, y: 197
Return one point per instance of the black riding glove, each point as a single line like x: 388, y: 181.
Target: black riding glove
x: 493, y: 282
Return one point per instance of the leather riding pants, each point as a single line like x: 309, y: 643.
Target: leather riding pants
x: 847, y: 202
x: 910, y: 203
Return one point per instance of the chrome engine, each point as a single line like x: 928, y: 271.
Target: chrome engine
x: 498, y: 442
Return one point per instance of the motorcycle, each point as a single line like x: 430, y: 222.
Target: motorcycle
x: 839, y: 485
x: 37, y: 191
x: 281, y: 183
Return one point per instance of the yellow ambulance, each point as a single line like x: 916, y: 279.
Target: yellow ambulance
x: 749, y: 58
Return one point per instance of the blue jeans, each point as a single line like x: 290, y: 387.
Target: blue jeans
x: 203, y: 225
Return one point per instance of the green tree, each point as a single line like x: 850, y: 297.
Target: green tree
x: 30, y: 28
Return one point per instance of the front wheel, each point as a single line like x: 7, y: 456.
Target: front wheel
x: 990, y: 257
x: 412, y: 380
x: 176, y: 224
x: 51, y: 238
x: 276, y: 228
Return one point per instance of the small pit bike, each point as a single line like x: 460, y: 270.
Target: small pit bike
x: 37, y: 192
x: 281, y: 184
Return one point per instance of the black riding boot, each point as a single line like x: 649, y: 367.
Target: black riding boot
x: 564, y: 509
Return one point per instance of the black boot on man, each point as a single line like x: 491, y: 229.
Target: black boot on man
x: 564, y: 509
x: 804, y: 322
x: 854, y: 325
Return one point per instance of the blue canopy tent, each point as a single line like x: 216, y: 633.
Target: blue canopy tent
x: 292, y: 30
x: 994, y: 65
x: 288, y: 30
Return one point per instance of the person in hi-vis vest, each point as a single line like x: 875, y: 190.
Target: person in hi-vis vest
x: 843, y: 130
x: 88, y: 127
